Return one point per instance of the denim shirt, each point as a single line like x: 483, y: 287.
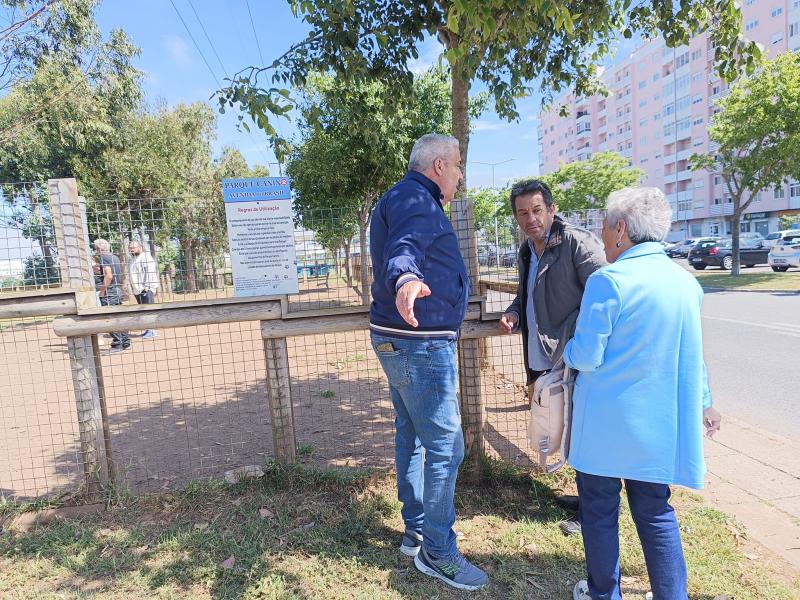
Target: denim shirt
x: 537, y: 359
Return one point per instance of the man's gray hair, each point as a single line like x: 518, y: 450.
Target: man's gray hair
x: 430, y: 147
x: 102, y: 245
x: 645, y: 210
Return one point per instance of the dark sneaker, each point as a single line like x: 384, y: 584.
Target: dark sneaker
x: 570, y: 527
x: 455, y: 570
x: 412, y: 542
x: 117, y: 349
x: 581, y: 591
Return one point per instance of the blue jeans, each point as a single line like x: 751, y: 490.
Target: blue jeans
x: 658, y: 532
x: 423, y: 379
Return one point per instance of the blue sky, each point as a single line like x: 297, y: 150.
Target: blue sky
x: 175, y: 71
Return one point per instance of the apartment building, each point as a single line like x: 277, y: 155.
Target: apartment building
x: 657, y: 113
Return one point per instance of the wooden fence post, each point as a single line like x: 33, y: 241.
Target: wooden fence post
x: 71, y: 232
x: 279, y: 396
x: 473, y: 413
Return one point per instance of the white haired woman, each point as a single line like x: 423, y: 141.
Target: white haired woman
x: 641, y: 397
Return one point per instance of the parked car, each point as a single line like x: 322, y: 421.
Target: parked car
x: 786, y: 253
x: 508, y: 259
x: 776, y: 236
x: 681, y: 249
x: 751, y: 239
x: 487, y: 257
x: 719, y: 253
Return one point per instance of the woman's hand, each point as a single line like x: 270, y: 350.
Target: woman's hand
x: 711, y: 420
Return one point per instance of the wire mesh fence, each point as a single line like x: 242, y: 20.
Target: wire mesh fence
x: 189, y: 402
x: 39, y: 445
x: 28, y: 252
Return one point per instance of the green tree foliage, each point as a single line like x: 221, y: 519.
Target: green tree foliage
x: 493, y: 219
x: 69, y: 93
x: 39, y: 31
x: 758, y: 136
x: 504, y: 44
x: 587, y: 184
x: 351, y: 151
x: 789, y: 221
x: 38, y: 272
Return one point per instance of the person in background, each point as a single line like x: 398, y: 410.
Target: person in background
x: 420, y: 294
x: 110, y: 290
x: 641, y: 397
x: 554, y: 264
x: 143, y: 277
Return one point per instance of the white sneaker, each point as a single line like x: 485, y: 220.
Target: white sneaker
x: 581, y: 591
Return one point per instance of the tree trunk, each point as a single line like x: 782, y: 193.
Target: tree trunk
x: 190, y: 273
x: 347, y: 274
x: 736, y: 218
x: 473, y: 412
x: 460, y: 93
x: 125, y: 284
x: 51, y: 267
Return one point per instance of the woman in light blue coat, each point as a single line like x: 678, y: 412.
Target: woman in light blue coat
x: 641, y: 397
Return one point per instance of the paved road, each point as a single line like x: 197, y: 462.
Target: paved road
x: 752, y: 350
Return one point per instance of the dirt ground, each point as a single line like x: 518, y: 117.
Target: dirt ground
x: 192, y: 404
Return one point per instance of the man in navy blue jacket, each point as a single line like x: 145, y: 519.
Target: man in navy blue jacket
x: 419, y: 299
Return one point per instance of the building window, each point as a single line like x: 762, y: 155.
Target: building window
x: 682, y: 60
x: 716, y: 90
x: 778, y: 37
x: 794, y: 29
x: 699, y: 184
x: 643, y: 160
x: 794, y: 190
x: 642, y: 103
x: 697, y: 54
x: 698, y: 143
x: 658, y: 155
x: 656, y: 76
x: 777, y: 11
x: 642, y: 83
x: 697, y: 99
x: 779, y: 193
x: 643, y: 140
x: 751, y: 25
x: 717, y: 179
x: 698, y: 121
x: 717, y: 200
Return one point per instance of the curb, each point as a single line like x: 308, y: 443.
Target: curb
x: 732, y: 289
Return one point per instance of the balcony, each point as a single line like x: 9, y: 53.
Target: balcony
x: 680, y: 197
x: 718, y: 210
x: 794, y: 202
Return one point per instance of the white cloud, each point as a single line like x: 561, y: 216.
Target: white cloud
x: 178, y: 50
x: 427, y: 59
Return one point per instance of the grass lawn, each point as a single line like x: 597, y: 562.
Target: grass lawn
x: 789, y: 281
x: 303, y: 533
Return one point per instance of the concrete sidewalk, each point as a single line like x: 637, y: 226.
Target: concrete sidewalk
x: 755, y: 476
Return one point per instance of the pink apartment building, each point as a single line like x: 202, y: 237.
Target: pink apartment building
x: 659, y: 105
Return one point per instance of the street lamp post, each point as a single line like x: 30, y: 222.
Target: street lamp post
x: 496, y: 236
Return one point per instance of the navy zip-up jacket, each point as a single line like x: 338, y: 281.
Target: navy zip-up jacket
x: 410, y: 235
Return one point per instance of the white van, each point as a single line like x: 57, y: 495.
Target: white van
x: 776, y: 236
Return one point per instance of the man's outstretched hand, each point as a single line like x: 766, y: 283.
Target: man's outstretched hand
x: 407, y: 295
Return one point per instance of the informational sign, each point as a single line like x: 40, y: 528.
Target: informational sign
x: 261, y: 235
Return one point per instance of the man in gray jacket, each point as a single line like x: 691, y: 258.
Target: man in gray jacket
x: 554, y: 264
